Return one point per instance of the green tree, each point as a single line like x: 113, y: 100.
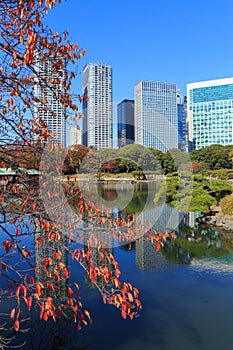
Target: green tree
x: 142, y: 156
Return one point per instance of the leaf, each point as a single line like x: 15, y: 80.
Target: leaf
x: 17, y: 291
x: 57, y: 254
x: 66, y: 272
x: 157, y: 247
x: 70, y: 291
x: 104, y: 298
x: 16, y: 325
x: 26, y: 253
x: 123, y: 314
x: 29, y: 303
x: 12, y: 314
x: 39, y: 241
x: 76, y: 285
x: 17, y: 231
x: 7, y: 245
x: 45, y: 316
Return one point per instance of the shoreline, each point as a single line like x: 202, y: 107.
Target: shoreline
x: 215, y: 217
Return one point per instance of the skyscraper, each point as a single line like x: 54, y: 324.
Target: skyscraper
x: 97, y: 108
x: 182, y: 122
x: 75, y: 136
x: 156, y: 117
x: 125, y: 113
x: 49, y: 107
x: 210, y: 112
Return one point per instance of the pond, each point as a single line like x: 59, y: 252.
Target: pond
x: 185, y: 288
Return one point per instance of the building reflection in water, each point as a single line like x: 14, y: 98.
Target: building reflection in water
x: 46, y: 249
x: 164, y: 218
x: 98, y: 260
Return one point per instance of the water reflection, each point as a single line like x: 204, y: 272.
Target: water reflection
x: 48, y: 252
x: 181, y: 270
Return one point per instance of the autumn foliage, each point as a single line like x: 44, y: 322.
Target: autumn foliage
x: 42, y: 283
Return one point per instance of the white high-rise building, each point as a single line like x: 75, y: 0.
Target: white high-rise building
x: 49, y: 107
x: 155, y: 115
x: 75, y: 136
x: 97, y: 108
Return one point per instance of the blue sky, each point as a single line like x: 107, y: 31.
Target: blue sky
x: 176, y: 41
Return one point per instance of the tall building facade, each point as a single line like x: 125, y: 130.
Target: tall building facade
x: 125, y: 116
x: 210, y: 112
x: 75, y: 136
x: 114, y: 125
x: 97, y: 108
x: 52, y: 112
x: 155, y: 115
x: 182, y: 122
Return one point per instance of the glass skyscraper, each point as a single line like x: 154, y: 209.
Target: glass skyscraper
x: 156, y: 117
x: 125, y: 114
x: 182, y: 122
x: 210, y: 112
x: 97, y: 108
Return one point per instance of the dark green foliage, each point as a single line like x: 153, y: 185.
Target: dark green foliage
x: 195, y: 195
x: 213, y: 157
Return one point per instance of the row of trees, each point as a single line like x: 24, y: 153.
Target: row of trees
x: 136, y: 157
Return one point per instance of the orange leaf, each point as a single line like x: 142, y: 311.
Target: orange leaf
x: 104, y: 298
x: 26, y: 253
x: 12, y: 314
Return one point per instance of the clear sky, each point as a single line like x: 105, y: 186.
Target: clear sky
x: 176, y: 41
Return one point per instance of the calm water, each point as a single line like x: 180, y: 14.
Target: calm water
x: 186, y: 290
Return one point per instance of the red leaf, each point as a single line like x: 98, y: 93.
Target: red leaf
x: 17, y: 291
x: 157, y: 247
x: 45, y: 317
x: 57, y: 254
x: 16, y: 325
x: 3, y: 267
x: 39, y: 241
x: 70, y: 292
x: 66, y: 272
x: 123, y: 314
x: 7, y: 245
x: 29, y: 302
x: 17, y: 231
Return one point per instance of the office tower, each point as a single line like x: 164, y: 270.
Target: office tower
x: 97, y: 108
x: 210, y: 112
x: 182, y: 122
x: 49, y: 107
x: 114, y: 125
x: 75, y: 136
x: 125, y: 113
x: 156, y: 117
